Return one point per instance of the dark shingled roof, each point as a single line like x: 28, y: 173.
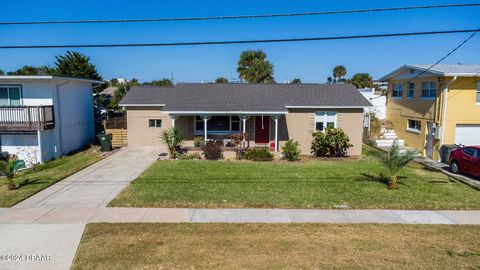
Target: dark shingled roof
x: 244, y: 97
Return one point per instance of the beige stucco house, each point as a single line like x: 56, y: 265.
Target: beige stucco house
x: 269, y: 114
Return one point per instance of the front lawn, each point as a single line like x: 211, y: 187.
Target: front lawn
x: 32, y: 181
x: 278, y: 246
x: 309, y: 184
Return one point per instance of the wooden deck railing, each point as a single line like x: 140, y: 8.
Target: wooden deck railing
x: 26, y: 118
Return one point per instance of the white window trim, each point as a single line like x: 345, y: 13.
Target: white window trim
x: 324, y: 119
x: 413, y: 130
x: 408, y: 91
x: 153, y: 119
x: 393, y: 90
x: 429, y: 90
x: 19, y: 86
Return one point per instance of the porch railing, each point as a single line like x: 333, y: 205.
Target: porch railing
x: 26, y: 118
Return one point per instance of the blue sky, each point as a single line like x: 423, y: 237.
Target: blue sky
x: 312, y: 61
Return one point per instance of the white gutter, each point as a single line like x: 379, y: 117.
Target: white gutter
x: 444, y: 110
x: 222, y: 112
x: 142, y: 105
x: 326, y: 107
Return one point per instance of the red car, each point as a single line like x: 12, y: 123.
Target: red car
x: 466, y: 160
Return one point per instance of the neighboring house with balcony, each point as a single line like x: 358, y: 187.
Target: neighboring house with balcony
x: 270, y: 114
x: 432, y: 107
x: 44, y: 117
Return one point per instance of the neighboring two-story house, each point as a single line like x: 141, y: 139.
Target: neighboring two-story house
x: 44, y: 117
x: 436, y: 107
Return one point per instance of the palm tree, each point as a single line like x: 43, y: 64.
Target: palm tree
x: 394, y: 161
x: 339, y: 72
x: 9, y: 168
x: 173, y: 139
x: 254, y: 68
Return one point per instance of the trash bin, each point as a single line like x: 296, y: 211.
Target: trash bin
x: 445, y: 151
x: 105, y: 142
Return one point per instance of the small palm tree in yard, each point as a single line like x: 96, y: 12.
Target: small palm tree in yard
x: 394, y: 161
x: 173, y: 139
x: 9, y: 168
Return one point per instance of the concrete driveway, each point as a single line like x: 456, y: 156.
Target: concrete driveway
x: 27, y: 244
x: 96, y: 185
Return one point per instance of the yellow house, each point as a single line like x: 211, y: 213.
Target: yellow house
x: 429, y: 107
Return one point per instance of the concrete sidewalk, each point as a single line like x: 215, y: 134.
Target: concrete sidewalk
x: 164, y: 215
x: 96, y: 185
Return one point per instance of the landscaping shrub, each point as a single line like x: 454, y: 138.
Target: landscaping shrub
x: 291, y: 150
x: 375, y: 126
x: 213, y: 150
x: 394, y: 161
x: 333, y: 142
x: 238, y: 140
x: 189, y: 156
x: 258, y: 155
x: 197, y: 142
x: 173, y: 139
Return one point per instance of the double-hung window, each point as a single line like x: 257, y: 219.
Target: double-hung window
x: 397, y: 90
x: 411, y: 90
x: 10, y: 95
x: 324, y: 120
x: 155, y: 123
x: 429, y: 89
x: 414, y: 126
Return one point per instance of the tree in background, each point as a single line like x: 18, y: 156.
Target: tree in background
x: 339, y: 72
x: 362, y: 80
x: 296, y: 81
x: 77, y: 65
x: 221, y: 80
x: 113, y: 82
x: 329, y: 79
x: 254, y: 68
x: 31, y: 70
x: 2, y: 72
x: 162, y: 83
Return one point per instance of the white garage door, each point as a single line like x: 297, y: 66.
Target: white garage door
x: 467, y: 134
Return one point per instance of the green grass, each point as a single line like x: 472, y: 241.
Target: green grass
x: 278, y: 246
x: 32, y: 181
x: 308, y: 184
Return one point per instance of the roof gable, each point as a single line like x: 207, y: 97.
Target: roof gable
x: 425, y: 70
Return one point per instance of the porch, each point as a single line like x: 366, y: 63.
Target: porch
x: 261, y: 129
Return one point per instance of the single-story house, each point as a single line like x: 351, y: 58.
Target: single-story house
x: 269, y: 114
x: 44, y: 117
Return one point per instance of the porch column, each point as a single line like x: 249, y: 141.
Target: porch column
x: 275, y: 118
x: 40, y: 150
x: 205, y: 118
x: 244, y: 119
x: 173, y: 117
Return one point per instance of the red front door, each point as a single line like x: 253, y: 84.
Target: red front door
x: 262, y: 129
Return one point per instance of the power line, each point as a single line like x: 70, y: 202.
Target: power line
x: 254, y: 41
x: 437, y: 62
x: 242, y: 16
